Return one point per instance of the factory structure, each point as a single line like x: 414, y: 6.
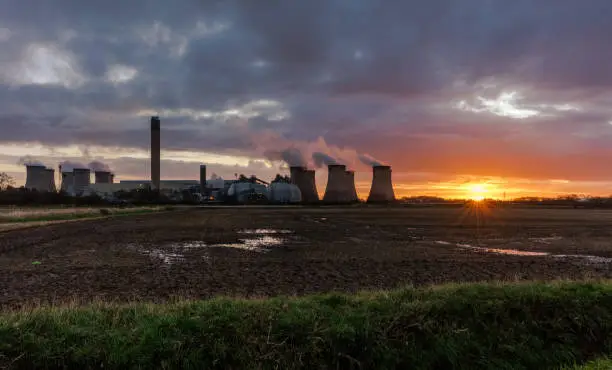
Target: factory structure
x: 300, y: 187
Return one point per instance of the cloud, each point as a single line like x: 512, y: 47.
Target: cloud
x: 486, y: 88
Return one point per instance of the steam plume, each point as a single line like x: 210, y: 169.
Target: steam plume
x: 292, y: 156
x: 68, y: 166
x: 97, y: 166
x: 29, y: 161
x: 369, y: 160
x: 321, y: 159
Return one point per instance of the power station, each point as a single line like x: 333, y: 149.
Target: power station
x: 300, y: 187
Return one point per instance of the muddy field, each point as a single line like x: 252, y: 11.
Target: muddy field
x: 257, y: 252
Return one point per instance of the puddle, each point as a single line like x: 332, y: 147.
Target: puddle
x: 264, y: 231
x: 591, y: 259
x: 516, y: 252
x: 512, y: 252
x: 259, y: 240
x: 546, y: 240
x: 166, y: 257
x: 259, y: 244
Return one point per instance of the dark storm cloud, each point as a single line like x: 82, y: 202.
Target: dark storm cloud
x: 379, y: 77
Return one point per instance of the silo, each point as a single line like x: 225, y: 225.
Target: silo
x: 155, y: 152
x: 50, y: 180
x: 81, y: 180
x: 103, y: 177
x: 382, y: 187
x: 337, y: 190
x: 350, y: 184
x: 35, y: 177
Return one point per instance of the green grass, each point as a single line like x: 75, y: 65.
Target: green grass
x: 600, y: 364
x: 78, y: 215
x: 481, y: 326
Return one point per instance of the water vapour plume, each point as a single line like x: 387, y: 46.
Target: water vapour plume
x: 29, y: 161
x: 322, y: 159
x: 292, y: 156
x: 98, y: 166
x: 369, y: 160
x: 69, y: 166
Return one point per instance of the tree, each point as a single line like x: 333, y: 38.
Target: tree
x: 6, y: 181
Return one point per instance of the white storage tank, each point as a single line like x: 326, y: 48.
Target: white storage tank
x: 243, y: 192
x: 282, y: 192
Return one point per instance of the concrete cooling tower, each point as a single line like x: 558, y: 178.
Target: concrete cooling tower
x: 67, y: 181
x: 305, y: 181
x: 50, y: 180
x: 350, y: 183
x: 382, y: 187
x: 81, y: 180
x: 36, y: 178
x: 338, y: 189
x: 103, y: 177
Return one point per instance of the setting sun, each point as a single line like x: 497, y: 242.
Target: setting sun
x: 477, y: 192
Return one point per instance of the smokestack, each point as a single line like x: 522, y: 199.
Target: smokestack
x: 337, y: 190
x: 81, y: 180
x: 382, y: 187
x: 36, y: 177
x: 155, y: 152
x: 202, y: 179
x: 50, y: 180
x: 103, y: 177
x: 305, y: 181
x: 350, y: 184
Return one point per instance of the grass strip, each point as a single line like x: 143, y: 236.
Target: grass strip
x: 77, y: 215
x: 476, y: 326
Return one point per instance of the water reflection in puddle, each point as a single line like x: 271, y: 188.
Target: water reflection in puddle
x: 512, y: 252
x: 264, y: 231
x: 259, y: 240
x: 516, y: 252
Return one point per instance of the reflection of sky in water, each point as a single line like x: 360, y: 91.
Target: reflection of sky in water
x: 264, y: 231
x: 259, y: 240
x: 513, y: 252
x: 516, y: 252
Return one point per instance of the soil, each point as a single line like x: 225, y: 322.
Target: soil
x: 197, y: 253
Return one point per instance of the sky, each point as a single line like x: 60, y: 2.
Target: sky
x: 505, y: 98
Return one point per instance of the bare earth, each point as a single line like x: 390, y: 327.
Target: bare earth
x: 257, y: 252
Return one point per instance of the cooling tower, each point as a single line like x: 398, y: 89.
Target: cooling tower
x: 382, y: 188
x: 36, y: 178
x: 337, y: 190
x: 350, y: 184
x: 155, y: 152
x: 81, y: 180
x: 309, y: 194
x: 67, y: 181
x: 50, y: 180
x: 103, y: 177
x: 305, y: 181
x: 202, y: 179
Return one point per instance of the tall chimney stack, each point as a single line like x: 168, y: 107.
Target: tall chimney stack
x: 202, y: 178
x: 382, y: 187
x: 155, y: 152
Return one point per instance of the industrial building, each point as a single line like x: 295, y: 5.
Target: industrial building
x: 299, y: 188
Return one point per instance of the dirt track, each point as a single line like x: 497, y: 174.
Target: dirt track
x: 154, y: 257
